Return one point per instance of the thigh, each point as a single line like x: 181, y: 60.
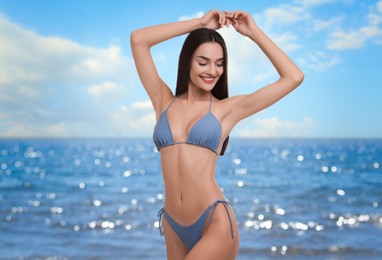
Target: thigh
x: 216, y: 241
x: 175, y: 247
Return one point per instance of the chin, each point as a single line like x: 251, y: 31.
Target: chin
x: 207, y: 86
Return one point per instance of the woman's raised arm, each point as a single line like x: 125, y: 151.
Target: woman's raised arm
x: 290, y: 75
x: 143, y: 39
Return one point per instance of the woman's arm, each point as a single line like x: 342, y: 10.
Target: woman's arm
x: 143, y: 39
x: 290, y: 75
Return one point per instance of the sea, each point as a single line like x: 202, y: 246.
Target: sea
x: 99, y: 198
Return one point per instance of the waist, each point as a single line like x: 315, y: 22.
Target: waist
x: 189, y: 180
x: 185, y: 184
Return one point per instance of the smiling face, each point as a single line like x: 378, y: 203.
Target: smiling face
x: 206, y: 66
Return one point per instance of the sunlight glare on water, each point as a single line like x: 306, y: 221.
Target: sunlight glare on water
x: 100, y: 198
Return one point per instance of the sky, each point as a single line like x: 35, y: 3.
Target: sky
x: 66, y: 68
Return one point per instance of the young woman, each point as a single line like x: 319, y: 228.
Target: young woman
x: 193, y: 126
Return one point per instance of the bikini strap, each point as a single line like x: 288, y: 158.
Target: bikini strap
x: 160, y: 214
x: 172, y: 101
x: 212, y: 211
x: 225, y: 204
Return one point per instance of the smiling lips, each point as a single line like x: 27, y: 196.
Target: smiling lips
x: 208, y: 80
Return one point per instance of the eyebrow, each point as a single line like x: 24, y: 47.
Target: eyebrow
x: 205, y: 58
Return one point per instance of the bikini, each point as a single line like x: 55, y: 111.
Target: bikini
x: 206, y: 132
x: 190, y: 235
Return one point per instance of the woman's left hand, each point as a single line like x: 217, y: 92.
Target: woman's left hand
x: 241, y: 21
x: 214, y: 20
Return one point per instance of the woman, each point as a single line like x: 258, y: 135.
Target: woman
x: 193, y: 126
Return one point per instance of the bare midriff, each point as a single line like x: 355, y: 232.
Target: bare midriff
x: 189, y: 180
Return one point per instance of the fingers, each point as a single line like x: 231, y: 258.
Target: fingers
x: 219, y: 16
x: 229, y: 18
x: 233, y: 16
x: 222, y: 19
x: 239, y: 13
x: 226, y: 18
x: 236, y: 14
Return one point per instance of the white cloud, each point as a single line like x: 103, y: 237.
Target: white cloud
x: 319, y: 25
x: 263, y: 78
x: 287, y: 41
x: 108, y: 92
x: 102, y: 89
x: 58, y: 129
x: 142, y: 105
x: 274, y: 127
x: 341, y: 40
x: 314, y: 2
x: 188, y: 17
x: 370, y: 31
x: 137, y: 119
x: 283, y: 15
x: 54, y: 86
x: 319, y: 61
x: 356, y: 38
x: 374, y: 19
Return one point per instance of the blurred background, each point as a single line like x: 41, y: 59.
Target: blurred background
x: 79, y: 174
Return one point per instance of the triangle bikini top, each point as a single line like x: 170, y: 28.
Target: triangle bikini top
x: 206, y: 132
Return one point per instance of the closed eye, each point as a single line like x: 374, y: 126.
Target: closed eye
x: 204, y: 60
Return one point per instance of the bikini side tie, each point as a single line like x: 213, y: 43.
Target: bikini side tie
x: 225, y: 204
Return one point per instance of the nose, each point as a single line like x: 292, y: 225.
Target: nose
x: 212, y: 70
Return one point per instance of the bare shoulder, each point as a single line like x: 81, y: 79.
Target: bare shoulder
x: 227, y: 104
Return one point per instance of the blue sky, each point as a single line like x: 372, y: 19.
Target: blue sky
x: 66, y: 68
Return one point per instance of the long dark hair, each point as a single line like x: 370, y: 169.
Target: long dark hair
x: 192, y: 42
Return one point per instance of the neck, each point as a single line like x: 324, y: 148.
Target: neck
x: 196, y: 94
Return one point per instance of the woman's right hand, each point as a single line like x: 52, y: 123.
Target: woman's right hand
x: 214, y: 20
x: 241, y: 21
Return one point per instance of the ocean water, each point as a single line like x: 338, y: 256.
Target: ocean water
x: 99, y: 198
